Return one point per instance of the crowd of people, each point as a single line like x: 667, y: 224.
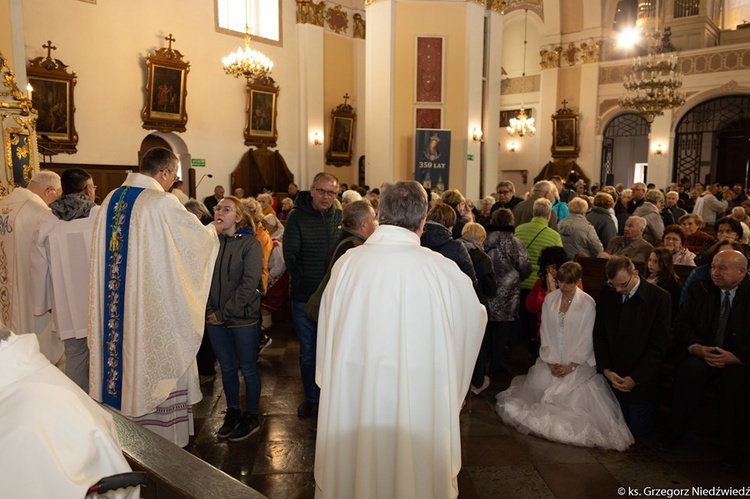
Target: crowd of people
x: 404, y: 302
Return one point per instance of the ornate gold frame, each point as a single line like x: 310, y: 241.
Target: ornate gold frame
x: 52, y: 98
x: 165, y: 109
x: 341, y: 143
x: 262, y: 98
x: 15, y: 110
x: 565, y: 133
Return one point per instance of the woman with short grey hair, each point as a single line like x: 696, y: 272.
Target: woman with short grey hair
x: 578, y: 235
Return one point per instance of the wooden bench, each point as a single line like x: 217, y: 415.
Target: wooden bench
x: 594, y: 276
x: 172, y: 471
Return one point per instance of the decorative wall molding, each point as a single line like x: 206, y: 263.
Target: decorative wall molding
x: 582, y: 52
x: 309, y: 12
x: 360, y: 26
x: 337, y: 19
x: 535, y: 6
x: 333, y: 17
x: 714, y: 62
x: 510, y: 86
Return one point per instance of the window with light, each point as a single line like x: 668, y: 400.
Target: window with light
x: 262, y: 17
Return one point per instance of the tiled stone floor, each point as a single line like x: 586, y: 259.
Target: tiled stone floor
x: 498, y: 462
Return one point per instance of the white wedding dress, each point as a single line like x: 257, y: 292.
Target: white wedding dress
x: 578, y: 409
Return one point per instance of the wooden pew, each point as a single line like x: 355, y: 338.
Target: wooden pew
x: 172, y: 471
x: 594, y: 276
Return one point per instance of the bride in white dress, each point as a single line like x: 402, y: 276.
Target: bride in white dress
x: 562, y: 398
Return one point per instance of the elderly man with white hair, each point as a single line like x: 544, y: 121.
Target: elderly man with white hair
x: 578, y: 235
x: 350, y: 196
x: 631, y: 244
x: 671, y: 200
x: 19, y: 212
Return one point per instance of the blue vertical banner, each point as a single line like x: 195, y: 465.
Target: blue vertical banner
x: 432, y: 158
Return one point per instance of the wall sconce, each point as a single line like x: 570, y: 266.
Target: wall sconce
x: 659, y: 150
x: 512, y: 146
x: 476, y: 135
x: 316, y: 139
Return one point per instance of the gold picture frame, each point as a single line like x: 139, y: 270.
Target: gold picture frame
x: 261, y: 112
x: 565, y: 133
x: 341, y: 143
x: 52, y: 97
x: 165, y: 109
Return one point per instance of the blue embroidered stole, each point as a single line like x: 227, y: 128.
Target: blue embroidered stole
x: 116, y: 261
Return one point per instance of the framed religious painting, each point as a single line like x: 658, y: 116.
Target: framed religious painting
x: 52, y: 97
x: 565, y: 133
x: 260, y: 125
x: 166, y: 90
x: 342, y: 135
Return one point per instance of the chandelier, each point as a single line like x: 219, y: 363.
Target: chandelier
x: 654, y: 83
x: 653, y: 86
x: 247, y: 62
x: 522, y: 124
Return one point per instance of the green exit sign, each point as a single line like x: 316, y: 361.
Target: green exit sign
x: 470, y: 157
x: 198, y: 163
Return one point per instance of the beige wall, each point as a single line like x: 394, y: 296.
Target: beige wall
x: 6, y: 43
x: 106, y: 45
x: 446, y: 19
x: 571, y: 16
x: 339, y: 67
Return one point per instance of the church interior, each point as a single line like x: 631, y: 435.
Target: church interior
x: 354, y: 89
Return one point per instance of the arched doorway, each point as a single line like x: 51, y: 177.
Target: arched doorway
x: 712, y: 141
x: 174, y: 143
x: 625, y: 143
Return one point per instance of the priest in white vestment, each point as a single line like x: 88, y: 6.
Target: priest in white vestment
x: 19, y: 213
x: 60, y: 268
x: 55, y: 440
x: 151, y: 267
x: 399, y: 332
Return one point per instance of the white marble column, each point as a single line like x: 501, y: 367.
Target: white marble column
x: 378, y: 115
x: 311, y: 114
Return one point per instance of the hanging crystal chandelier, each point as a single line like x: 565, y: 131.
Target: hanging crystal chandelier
x: 522, y: 124
x: 654, y: 83
x: 653, y: 86
x: 247, y: 62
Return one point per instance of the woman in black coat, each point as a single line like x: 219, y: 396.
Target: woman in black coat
x: 438, y: 237
x: 473, y: 236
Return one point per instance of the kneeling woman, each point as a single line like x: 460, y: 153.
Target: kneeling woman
x: 233, y: 316
x: 563, y: 398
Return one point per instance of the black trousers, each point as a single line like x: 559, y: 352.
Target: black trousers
x: 733, y: 381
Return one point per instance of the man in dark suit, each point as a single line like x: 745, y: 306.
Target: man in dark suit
x: 713, y: 339
x: 630, y: 334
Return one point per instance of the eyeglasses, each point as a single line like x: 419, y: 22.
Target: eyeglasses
x: 503, y: 192
x: 324, y: 192
x: 173, y: 172
x: 620, y: 286
x: 92, y: 186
